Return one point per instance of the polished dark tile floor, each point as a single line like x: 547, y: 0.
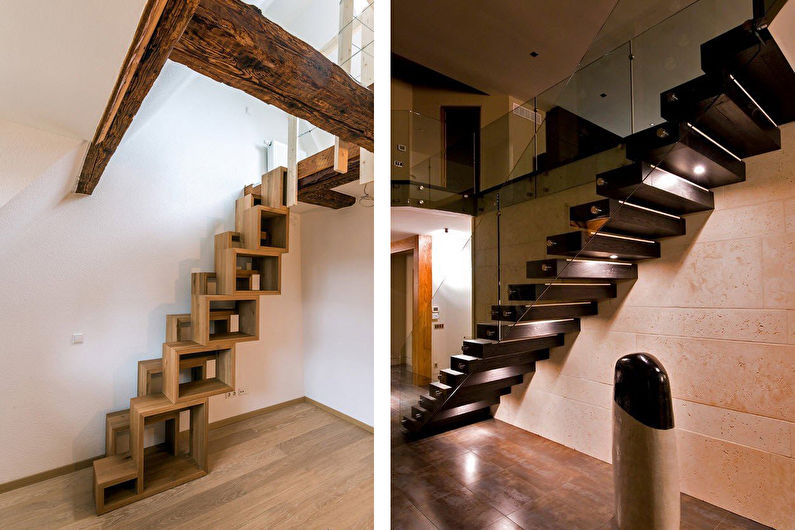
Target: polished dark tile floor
x: 493, y: 475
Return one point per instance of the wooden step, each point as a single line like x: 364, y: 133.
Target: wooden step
x: 543, y: 311
x: 209, y: 313
x: 469, y: 364
x: 724, y: 112
x: 581, y: 269
x: 438, y: 389
x: 485, y: 348
x: 451, y: 377
x: 429, y: 402
x: 625, y: 218
x: 642, y: 184
x: 449, y: 415
x: 561, y: 292
x: 178, y: 356
x: 474, y: 393
x: 116, y: 423
x: 524, y: 330
x: 602, y: 245
x: 751, y: 57
x: 688, y: 152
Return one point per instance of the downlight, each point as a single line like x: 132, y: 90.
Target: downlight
x: 699, y: 170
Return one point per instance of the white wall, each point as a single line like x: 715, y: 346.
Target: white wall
x: 452, y: 294
x: 337, y: 286
x: 112, y: 265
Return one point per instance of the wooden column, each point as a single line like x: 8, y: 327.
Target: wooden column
x: 291, y: 194
x: 367, y: 17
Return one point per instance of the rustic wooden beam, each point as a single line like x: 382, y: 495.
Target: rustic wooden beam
x: 231, y: 42
x: 161, y: 25
x: 317, y: 176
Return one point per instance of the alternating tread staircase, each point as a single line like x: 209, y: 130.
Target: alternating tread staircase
x: 198, y: 357
x: 731, y: 112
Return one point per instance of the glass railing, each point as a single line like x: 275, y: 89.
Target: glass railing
x: 555, y: 140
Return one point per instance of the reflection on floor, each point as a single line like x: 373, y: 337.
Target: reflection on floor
x: 297, y: 467
x: 493, y: 475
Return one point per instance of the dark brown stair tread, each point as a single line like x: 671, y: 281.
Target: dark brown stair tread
x: 487, y: 348
x: 581, y: 269
x: 560, y: 291
x: 724, y: 112
x: 538, y: 328
x: 763, y: 71
x: 470, y: 365
x: 642, y: 184
x: 680, y: 148
x: 544, y: 311
x: 625, y: 218
x: 602, y: 245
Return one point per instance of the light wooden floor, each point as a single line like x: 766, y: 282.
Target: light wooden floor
x: 296, y: 467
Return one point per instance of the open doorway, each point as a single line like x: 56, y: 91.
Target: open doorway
x: 411, y: 306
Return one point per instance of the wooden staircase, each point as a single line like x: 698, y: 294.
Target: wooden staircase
x: 731, y: 112
x: 198, y: 358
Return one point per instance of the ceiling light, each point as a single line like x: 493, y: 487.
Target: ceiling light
x: 613, y: 256
x: 699, y: 170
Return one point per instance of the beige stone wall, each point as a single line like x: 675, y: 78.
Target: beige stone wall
x: 718, y: 309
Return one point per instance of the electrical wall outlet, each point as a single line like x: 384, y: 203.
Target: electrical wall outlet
x: 77, y: 338
x: 242, y: 391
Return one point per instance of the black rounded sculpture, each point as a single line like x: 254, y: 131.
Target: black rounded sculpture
x: 645, y: 467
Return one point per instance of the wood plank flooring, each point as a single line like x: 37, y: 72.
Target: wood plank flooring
x: 493, y: 475
x: 295, y: 467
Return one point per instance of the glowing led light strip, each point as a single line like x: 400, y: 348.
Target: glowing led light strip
x: 713, y: 141
x: 560, y: 303
x: 655, y: 168
x: 577, y: 284
x: 602, y: 261
x: 616, y: 236
x: 649, y: 209
x: 752, y: 100
x: 538, y: 322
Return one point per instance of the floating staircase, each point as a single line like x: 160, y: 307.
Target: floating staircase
x: 198, y: 357
x: 714, y: 121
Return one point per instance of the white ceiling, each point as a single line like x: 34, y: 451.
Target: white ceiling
x: 408, y: 221
x: 487, y: 45
x: 59, y: 60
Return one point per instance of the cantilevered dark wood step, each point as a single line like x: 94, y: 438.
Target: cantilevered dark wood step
x: 485, y: 348
x: 439, y: 390
x: 429, y: 402
x: 602, y: 245
x: 470, y: 394
x: 625, y: 218
x: 457, y: 413
x: 419, y: 413
x: 523, y: 330
x: 724, y: 112
x: 559, y: 291
x: 654, y: 188
x: 451, y: 377
x: 752, y: 58
x: 686, y: 151
x: 469, y: 364
x: 543, y: 311
x: 581, y: 269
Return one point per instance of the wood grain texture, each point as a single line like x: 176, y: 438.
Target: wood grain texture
x: 267, y: 471
x: 232, y: 43
x: 318, y: 174
x: 161, y: 25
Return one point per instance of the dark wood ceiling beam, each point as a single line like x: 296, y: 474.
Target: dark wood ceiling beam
x: 160, y: 27
x: 231, y: 42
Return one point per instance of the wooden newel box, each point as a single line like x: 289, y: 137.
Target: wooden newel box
x: 262, y: 226
x: 228, y: 318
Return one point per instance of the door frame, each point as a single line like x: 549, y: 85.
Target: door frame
x: 422, y: 288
